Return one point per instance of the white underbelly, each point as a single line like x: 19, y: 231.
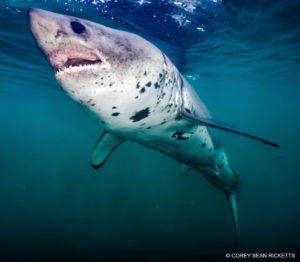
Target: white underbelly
x: 193, y: 146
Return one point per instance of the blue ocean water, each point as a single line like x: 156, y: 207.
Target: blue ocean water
x: 243, y: 59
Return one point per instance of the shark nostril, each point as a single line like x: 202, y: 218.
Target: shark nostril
x: 59, y: 33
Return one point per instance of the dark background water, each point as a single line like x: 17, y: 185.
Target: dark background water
x: 242, y: 57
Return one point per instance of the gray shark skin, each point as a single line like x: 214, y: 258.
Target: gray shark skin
x: 134, y: 92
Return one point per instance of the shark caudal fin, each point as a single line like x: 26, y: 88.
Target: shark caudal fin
x: 232, y: 202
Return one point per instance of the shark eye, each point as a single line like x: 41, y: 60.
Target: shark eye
x: 77, y: 27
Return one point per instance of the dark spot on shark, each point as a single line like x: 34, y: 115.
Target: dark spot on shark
x: 163, y: 122
x: 221, y: 165
x: 96, y: 83
x: 149, y: 127
x: 148, y: 84
x: 178, y: 117
x: 138, y: 85
x: 110, y: 84
x: 179, y: 135
x: 114, y: 107
x: 187, y: 110
x: 140, y: 115
x: 170, y: 105
x: 145, y: 73
x: 115, y: 114
x: 136, y: 97
x: 142, y: 90
x: 102, y: 122
x: 160, y: 75
x: 93, y: 104
x: 203, y: 145
x: 156, y: 85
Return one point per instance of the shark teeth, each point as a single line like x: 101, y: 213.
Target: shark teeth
x: 74, y: 69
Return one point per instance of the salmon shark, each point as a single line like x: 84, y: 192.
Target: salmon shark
x: 134, y: 92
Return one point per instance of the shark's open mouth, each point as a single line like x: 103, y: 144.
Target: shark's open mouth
x: 73, y: 60
x: 80, y: 62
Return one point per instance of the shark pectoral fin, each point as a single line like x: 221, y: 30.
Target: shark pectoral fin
x: 184, y: 168
x: 106, y: 144
x: 223, y: 126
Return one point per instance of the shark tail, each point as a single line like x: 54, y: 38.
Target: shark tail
x: 231, y: 196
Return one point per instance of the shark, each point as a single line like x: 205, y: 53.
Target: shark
x: 134, y: 92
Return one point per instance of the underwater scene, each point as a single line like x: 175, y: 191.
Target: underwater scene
x: 72, y: 92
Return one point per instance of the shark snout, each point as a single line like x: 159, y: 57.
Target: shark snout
x: 31, y: 11
x: 36, y: 12
x: 46, y: 28
x: 35, y: 15
x: 32, y: 16
x: 40, y: 23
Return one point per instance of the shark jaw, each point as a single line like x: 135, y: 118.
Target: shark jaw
x: 70, y: 61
